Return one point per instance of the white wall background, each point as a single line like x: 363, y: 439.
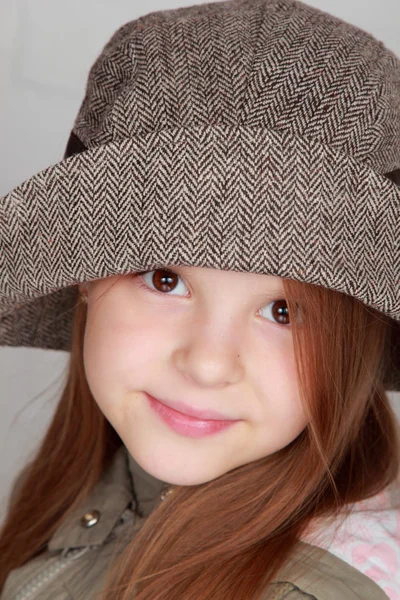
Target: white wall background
x: 46, y: 50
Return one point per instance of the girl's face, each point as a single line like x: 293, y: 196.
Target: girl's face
x: 214, y: 340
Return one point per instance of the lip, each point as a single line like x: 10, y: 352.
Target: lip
x: 186, y: 424
x: 185, y: 409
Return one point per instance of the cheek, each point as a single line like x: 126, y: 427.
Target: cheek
x: 119, y: 354
x: 278, y: 385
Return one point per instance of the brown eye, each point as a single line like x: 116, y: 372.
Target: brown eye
x: 278, y: 312
x: 161, y: 281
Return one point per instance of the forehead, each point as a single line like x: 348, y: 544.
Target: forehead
x: 208, y: 274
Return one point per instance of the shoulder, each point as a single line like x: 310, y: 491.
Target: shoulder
x: 315, y: 572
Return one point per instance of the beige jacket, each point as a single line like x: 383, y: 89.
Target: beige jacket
x: 74, y: 564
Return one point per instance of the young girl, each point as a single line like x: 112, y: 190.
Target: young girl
x: 219, y: 252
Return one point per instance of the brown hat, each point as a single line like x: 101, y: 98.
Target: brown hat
x: 259, y: 136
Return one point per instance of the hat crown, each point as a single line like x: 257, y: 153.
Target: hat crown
x: 274, y: 64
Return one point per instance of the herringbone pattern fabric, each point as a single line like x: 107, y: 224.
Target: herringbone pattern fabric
x: 244, y: 135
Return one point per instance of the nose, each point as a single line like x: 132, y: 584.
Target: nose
x: 210, y: 358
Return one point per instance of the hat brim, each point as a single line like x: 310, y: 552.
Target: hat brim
x: 233, y: 198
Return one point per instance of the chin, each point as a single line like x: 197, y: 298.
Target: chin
x: 187, y: 480
x: 178, y: 477
x: 172, y: 471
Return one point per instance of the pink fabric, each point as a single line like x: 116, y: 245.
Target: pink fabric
x: 369, y: 540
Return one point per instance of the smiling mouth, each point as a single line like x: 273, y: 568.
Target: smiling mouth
x: 188, y: 411
x: 186, y: 425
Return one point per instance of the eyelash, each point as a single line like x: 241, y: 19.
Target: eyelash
x: 141, y: 284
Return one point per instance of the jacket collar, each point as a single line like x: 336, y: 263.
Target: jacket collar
x: 111, y: 496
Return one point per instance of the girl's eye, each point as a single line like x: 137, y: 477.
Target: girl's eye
x: 278, y: 311
x: 163, y: 280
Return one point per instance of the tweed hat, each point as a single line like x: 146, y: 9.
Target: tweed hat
x: 259, y: 136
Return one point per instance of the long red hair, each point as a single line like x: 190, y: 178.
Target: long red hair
x: 255, y: 513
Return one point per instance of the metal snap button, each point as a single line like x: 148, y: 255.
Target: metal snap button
x: 166, y: 490
x: 90, y: 518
